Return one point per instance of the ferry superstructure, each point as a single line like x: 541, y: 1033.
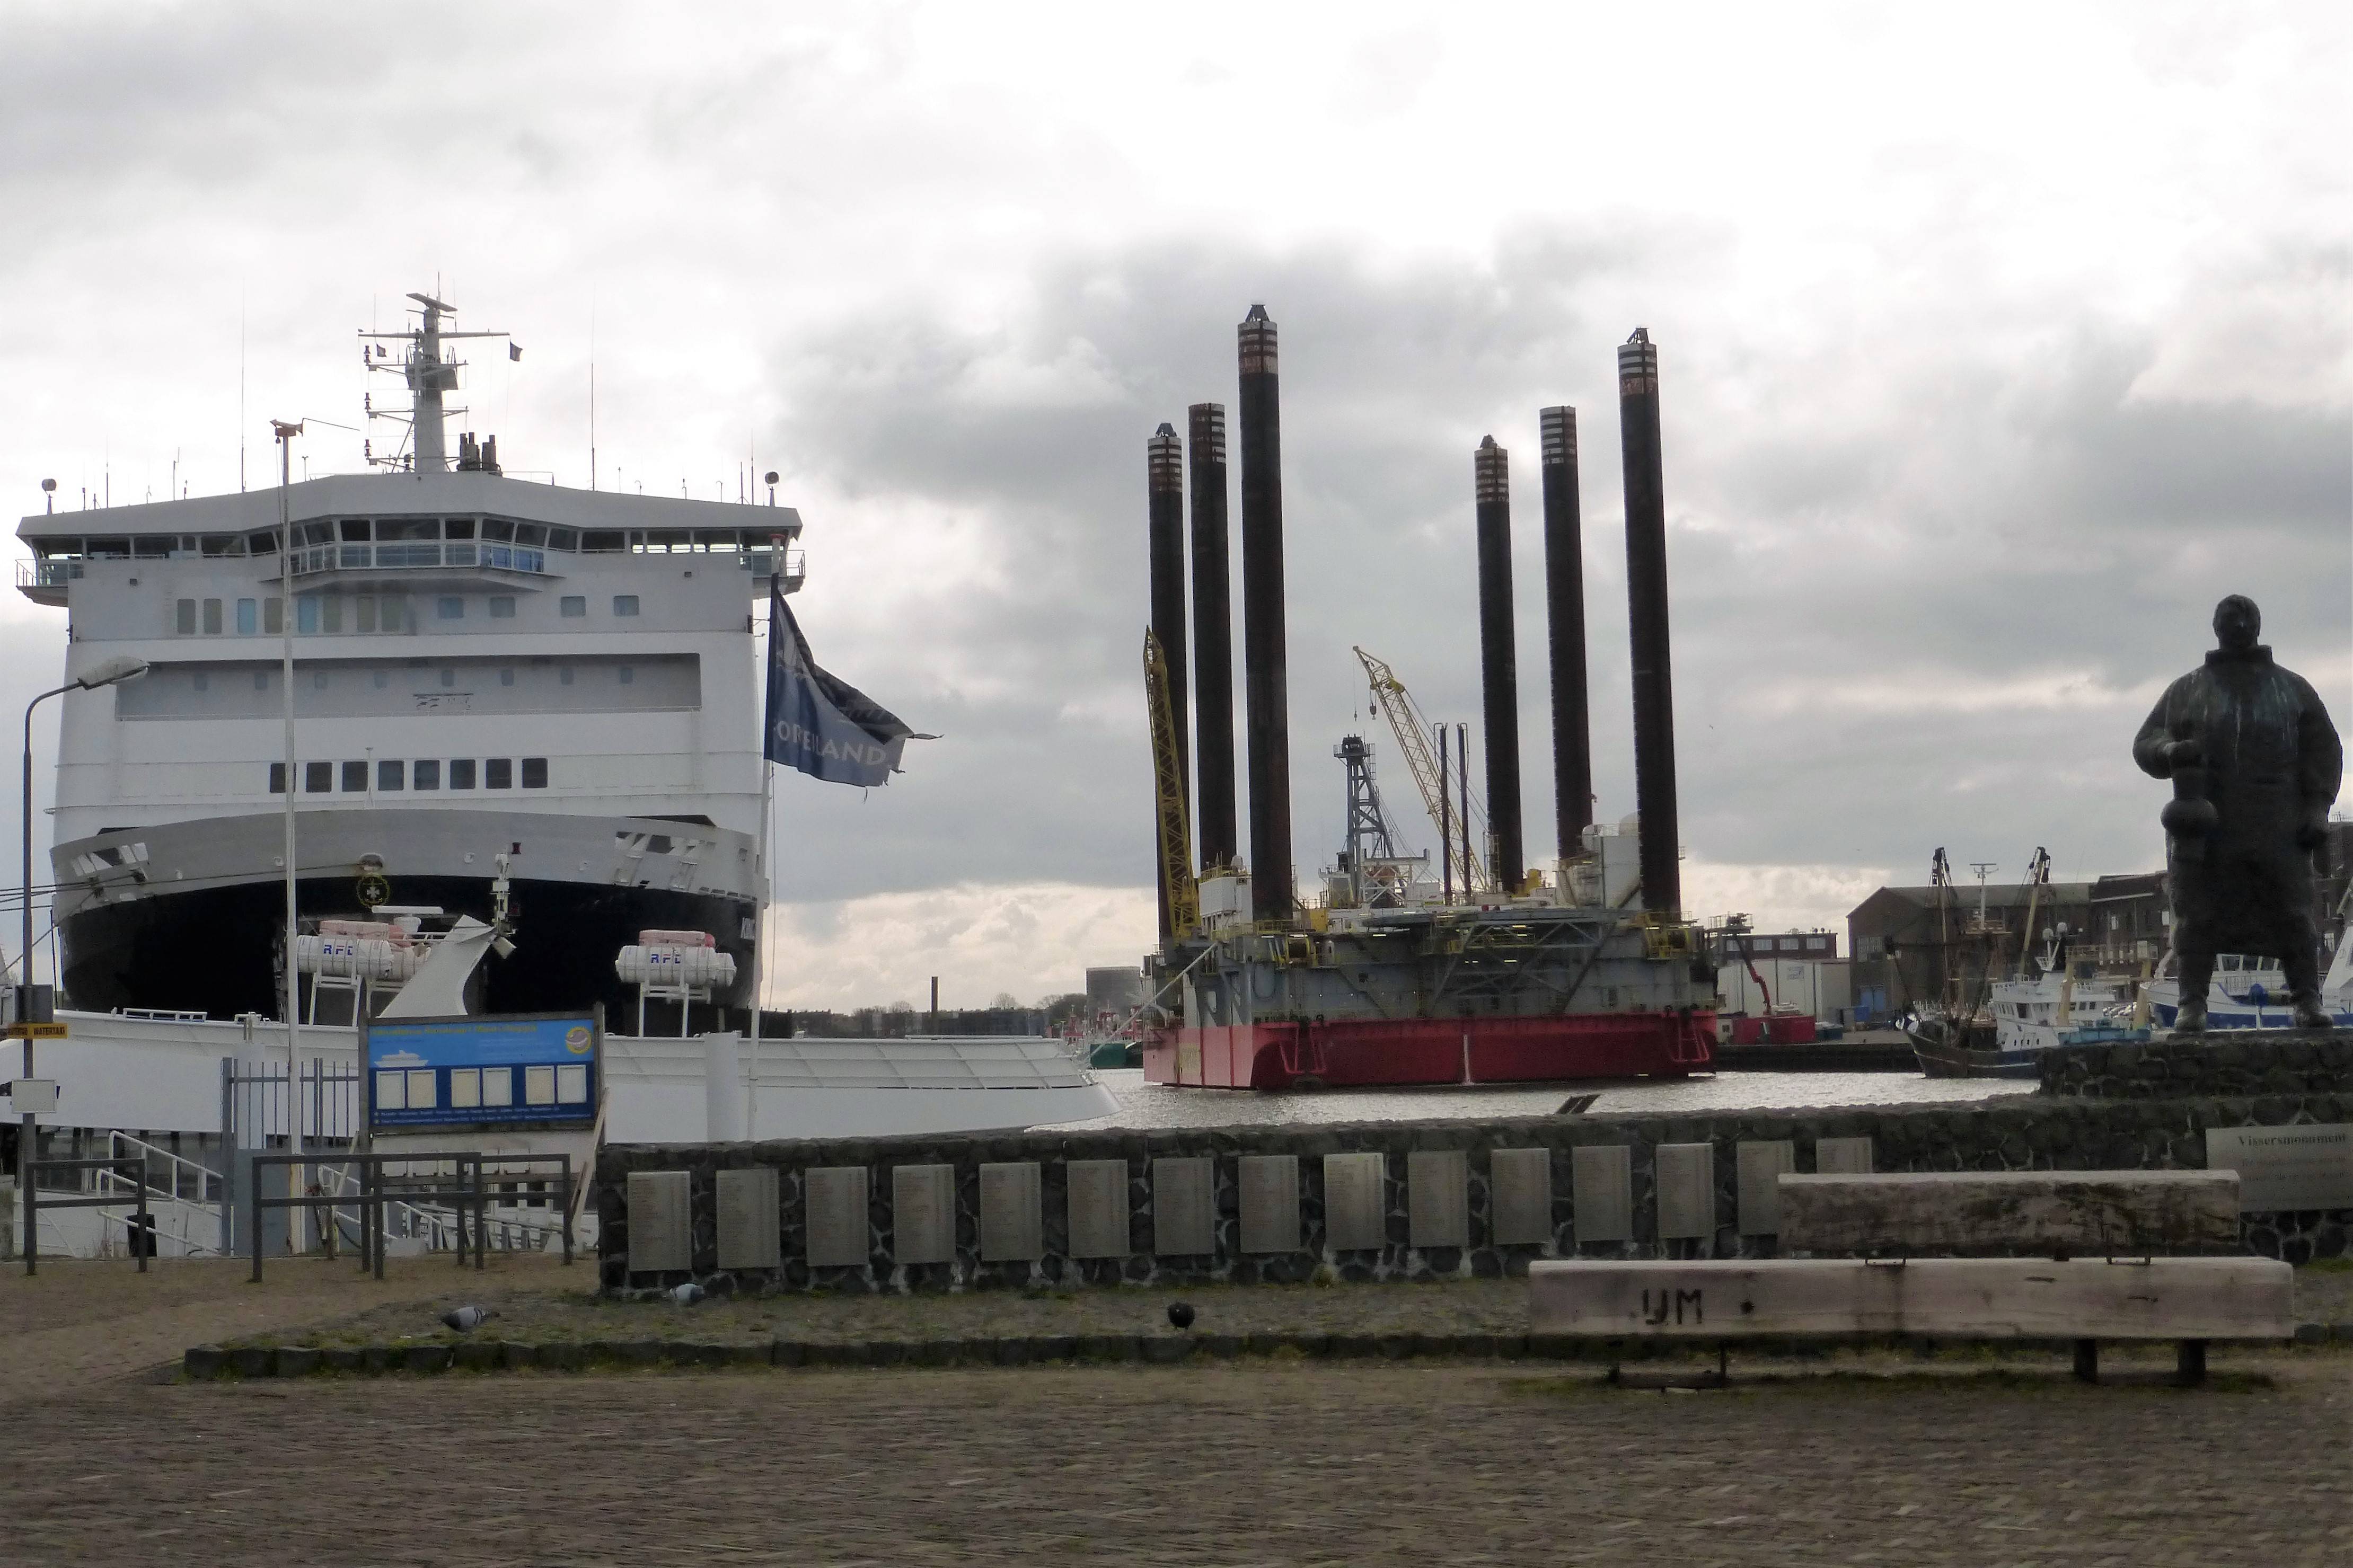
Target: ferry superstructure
x: 484, y: 666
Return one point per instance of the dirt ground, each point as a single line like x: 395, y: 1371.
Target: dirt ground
x: 1967, y: 1459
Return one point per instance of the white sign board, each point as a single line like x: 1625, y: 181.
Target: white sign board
x: 2286, y: 1168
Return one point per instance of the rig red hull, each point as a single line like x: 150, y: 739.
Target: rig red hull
x: 1374, y: 1051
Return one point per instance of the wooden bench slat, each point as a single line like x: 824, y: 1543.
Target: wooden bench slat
x: 1972, y: 1298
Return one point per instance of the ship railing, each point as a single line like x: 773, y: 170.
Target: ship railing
x: 762, y: 562
x: 168, y: 1174
x: 410, y: 555
x: 35, y: 571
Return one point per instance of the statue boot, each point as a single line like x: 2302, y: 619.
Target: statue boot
x: 2309, y: 1013
x: 2190, y: 1018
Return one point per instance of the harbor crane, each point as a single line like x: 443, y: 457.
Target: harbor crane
x: 1412, y: 732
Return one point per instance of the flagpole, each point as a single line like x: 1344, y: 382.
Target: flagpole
x: 760, y: 945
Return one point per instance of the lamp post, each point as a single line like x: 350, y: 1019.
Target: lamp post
x: 296, y: 1219
x: 112, y: 672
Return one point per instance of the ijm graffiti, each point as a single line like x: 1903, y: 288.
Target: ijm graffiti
x: 1674, y: 1302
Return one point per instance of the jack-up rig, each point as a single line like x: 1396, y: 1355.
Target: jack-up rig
x: 1391, y: 978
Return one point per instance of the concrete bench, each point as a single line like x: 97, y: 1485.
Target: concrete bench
x: 2188, y: 1299
x: 2050, y: 1213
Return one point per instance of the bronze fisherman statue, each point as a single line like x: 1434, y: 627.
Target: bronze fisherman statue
x: 2255, y: 765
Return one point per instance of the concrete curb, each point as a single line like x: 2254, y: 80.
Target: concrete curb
x: 204, y: 1362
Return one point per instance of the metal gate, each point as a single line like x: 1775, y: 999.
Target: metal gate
x: 262, y: 1103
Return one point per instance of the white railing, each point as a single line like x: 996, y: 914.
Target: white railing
x: 396, y: 556
x: 173, y: 1175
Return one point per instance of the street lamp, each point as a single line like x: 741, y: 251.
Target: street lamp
x: 112, y: 672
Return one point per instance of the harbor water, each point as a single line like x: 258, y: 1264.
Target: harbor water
x: 1153, y: 1106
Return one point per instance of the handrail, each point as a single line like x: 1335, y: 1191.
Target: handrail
x: 116, y: 1142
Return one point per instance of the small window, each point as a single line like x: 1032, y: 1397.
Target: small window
x: 277, y: 778
x: 214, y: 545
x: 363, y: 615
x: 533, y: 533
x: 212, y: 617
x: 625, y: 603
x: 389, y: 774
x: 331, y: 615
x: 448, y: 678
x: 506, y: 678
x: 261, y: 680
x: 457, y: 526
x: 318, y: 778
x: 535, y: 772
x: 425, y: 774
x: 354, y: 778
x: 574, y: 605
x: 273, y: 617
x: 183, y: 618
x: 249, y: 617
x: 204, y: 682
x: 498, y: 528
x: 627, y: 675
x: 383, y: 678
x: 449, y: 607
x: 156, y: 548
x: 318, y: 680
x: 502, y: 606
x: 497, y: 773
x: 354, y: 531
x: 461, y: 772
x: 565, y: 675
x: 563, y: 538
x: 262, y: 543
x: 602, y: 538
x: 306, y: 614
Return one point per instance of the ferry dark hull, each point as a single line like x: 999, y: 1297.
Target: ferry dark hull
x: 218, y: 949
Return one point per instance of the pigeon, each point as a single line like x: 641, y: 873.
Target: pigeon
x: 688, y: 1294
x: 465, y: 1320
x: 1180, y: 1314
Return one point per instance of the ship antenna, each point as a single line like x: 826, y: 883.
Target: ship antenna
x: 430, y: 373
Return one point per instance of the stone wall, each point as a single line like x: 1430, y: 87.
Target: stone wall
x: 2226, y: 1065
x: 2016, y: 1132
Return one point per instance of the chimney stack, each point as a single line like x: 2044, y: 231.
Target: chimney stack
x: 1646, y: 605
x: 1499, y: 682
x: 1265, y: 651
x: 1572, y: 739
x: 1213, y: 637
x: 1164, y: 468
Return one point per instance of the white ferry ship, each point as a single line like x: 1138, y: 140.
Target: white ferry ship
x: 485, y: 666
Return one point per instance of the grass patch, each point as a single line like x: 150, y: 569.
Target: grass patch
x: 2330, y: 1266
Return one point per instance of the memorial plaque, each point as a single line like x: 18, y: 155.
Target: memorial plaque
x: 1759, y: 1173
x: 1011, y: 1223
x: 1519, y: 1197
x: 661, y: 1222
x: 2280, y: 1168
x: 1097, y: 1192
x: 1842, y: 1157
x: 1437, y: 1197
x: 1269, y: 1202
x: 922, y: 1214
x: 1601, y: 1192
x: 1355, y: 1211
x: 1686, y: 1191
x: 838, y: 1234
x: 1184, y: 1207
x: 749, y: 1236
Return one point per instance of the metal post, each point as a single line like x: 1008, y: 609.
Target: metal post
x: 143, y: 1220
x: 1213, y: 637
x: 1499, y: 682
x: 1462, y: 784
x: 567, y: 1210
x: 253, y: 1214
x: 1572, y: 741
x: 1445, y: 825
x: 1163, y: 486
x: 286, y: 433
x: 1646, y: 593
x: 1265, y: 642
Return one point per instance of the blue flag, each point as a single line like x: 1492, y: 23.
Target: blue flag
x: 823, y: 726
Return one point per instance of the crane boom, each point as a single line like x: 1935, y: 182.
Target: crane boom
x: 1184, y: 895
x: 1412, y: 732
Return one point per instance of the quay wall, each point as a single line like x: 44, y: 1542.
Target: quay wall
x: 1446, y: 1224
x: 2227, y: 1065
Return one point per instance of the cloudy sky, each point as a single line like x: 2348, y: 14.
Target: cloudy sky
x: 1997, y: 344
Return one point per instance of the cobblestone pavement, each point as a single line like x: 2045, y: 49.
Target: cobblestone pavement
x: 1231, y: 1464
x: 75, y: 1323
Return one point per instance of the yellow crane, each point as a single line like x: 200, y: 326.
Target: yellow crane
x: 1412, y: 732
x: 1177, y: 887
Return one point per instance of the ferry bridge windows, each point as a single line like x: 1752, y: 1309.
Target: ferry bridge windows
x: 202, y: 681
x: 563, y: 538
x: 448, y: 678
x: 212, y: 546
x: 502, y: 606
x: 499, y: 528
x: 318, y: 680
x: 364, y: 614
x: 261, y: 680
x: 573, y: 605
x: 425, y: 774
x: 564, y: 677
x: 532, y: 533
x: 262, y: 543
x: 318, y: 778
x: 461, y: 772
x: 625, y: 603
x: 109, y: 550
x: 353, y: 530
x: 389, y: 774
x: 535, y: 772
x: 497, y: 773
x: 277, y: 778
x: 306, y: 614
x: 355, y: 777
x: 152, y: 547
x: 383, y: 678
x: 458, y: 528
x: 249, y: 617
x: 603, y: 541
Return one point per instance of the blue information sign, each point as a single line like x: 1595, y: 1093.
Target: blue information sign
x: 538, y: 1071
